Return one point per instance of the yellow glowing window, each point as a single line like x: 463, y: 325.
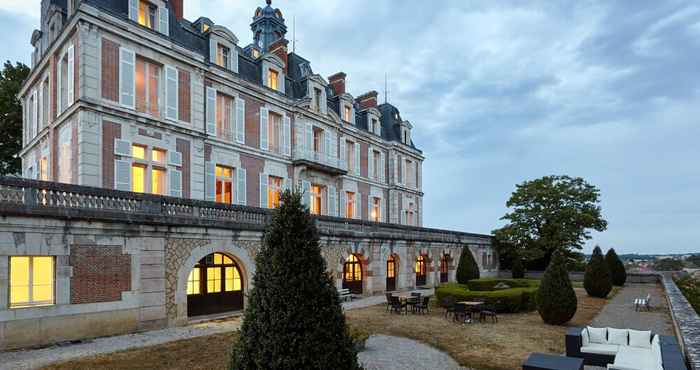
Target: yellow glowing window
x: 213, y: 279
x: 390, y: 270
x: 376, y: 209
x: 420, y: 265
x: 138, y: 152
x: 138, y: 178
x: 193, y: 281
x: 44, y: 169
x: 272, y: 76
x: 31, y: 281
x: 158, y: 181
x: 147, y: 14
x: 350, y: 205
x: 346, y: 114
x: 224, y: 184
x: 158, y: 155
x: 205, y: 27
x: 233, y: 279
x: 274, y: 189
x: 353, y: 271
x: 218, y: 258
x: 315, y: 199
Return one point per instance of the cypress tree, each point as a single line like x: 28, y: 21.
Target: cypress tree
x: 556, y: 299
x: 518, y: 269
x: 293, y: 319
x: 617, y: 268
x: 597, y: 279
x: 467, y: 269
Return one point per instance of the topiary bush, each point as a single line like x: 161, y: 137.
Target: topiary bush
x: 597, y: 279
x: 518, y: 269
x: 556, y: 299
x: 617, y: 268
x: 467, y: 269
x: 505, y: 300
x: 488, y: 284
x: 293, y: 319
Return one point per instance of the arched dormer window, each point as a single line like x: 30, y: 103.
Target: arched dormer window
x: 222, y: 48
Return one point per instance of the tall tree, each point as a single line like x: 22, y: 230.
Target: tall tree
x: 11, y: 79
x: 597, y: 280
x: 549, y: 214
x: 556, y: 299
x: 617, y: 268
x: 467, y: 269
x: 293, y: 319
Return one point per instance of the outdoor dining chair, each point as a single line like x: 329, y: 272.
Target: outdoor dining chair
x: 397, y: 305
x: 448, y: 303
x: 488, y: 311
x: 460, y: 312
x: 422, y: 307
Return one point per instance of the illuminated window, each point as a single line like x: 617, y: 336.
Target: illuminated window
x: 420, y: 265
x: 350, y: 155
x: 31, y: 281
x: 145, y: 164
x: 274, y: 190
x: 147, y: 87
x: 147, y: 14
x: 353, y: 270
x: 44, y: 169
x: 347, y: 113
x: 317, y: 99
x: 205, y: 27
x: 272, y: 77
x: 274, y: 128
x: 390, y: 267
x: 376, y: 209
x: 224, y: 107
x: 224, y: 184
x: 222, y: 56
x: 193, y: 282
x: 350, y: 204
x: 158, y: 156
x: 138, y: 178
x: 138, y: 151
x: 158, y: 181
x: 233, y: 279
x: 315, y: 199
x: 213, y: 279
x: 318, y: 140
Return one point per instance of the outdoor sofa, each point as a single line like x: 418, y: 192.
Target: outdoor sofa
x: 624, y: 349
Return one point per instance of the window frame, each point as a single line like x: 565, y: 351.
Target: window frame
x: 275, y: 185
x: 149, y: 166
x: 31, y: 302
x: 350, y: 211
x: 273, y: 82
x: 314, y: 198
x: 223, y: 180
x: 376, y: 209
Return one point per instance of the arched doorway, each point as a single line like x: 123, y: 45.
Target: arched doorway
x: 214, y: 285
x: 444, y: 268
x: 391, y: 270
x: 352, y: 274
x: 420, y: 270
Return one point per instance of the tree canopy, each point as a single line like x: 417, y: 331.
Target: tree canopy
x: 549, y: 214
x: 11, y: 78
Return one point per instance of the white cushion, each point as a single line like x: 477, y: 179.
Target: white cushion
x: 635, y: 358
x: 597, y: 335
x: 641, y: 339
x: 585, y: 340
x: 617, y: 336
x: 656, y: 350
x: 600, y: 349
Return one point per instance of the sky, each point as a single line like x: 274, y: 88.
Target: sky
x: 508, y: 91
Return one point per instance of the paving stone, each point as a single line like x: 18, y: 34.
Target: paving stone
x: 619, y: 312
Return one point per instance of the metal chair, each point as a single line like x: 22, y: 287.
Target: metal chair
x: 448, y: 303
x: 460, y: 311
x: 488, y: 311
x: 397, y: 305
x: 388, y: 301
x: 422, y: 307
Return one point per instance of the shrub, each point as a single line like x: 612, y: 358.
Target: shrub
x: 505, y: 300
x: 518, y: 269
x: 691, y: 290
x: 617, y: 268
x: 596, y: 279
x: 293, y: 319
x: 556, y: 299
x: 488, y: 284
x: 467, y: 269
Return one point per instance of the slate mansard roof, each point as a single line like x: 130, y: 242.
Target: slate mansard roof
x: 188, y: 35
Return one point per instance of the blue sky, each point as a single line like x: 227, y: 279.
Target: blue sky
x: 501, y: 92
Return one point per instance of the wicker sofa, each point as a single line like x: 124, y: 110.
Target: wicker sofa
x: 623, y: 349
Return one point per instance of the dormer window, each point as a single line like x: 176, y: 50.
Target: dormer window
x: 272, y: 77
x: 347, y: 113
x: 205, y: 27
x: 223, y: 54
x: 406, y: 137
x: 147, y: 14
x: 317, y: 99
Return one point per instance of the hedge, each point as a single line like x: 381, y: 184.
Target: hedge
x: 489, y: 284
x: 505, y: 300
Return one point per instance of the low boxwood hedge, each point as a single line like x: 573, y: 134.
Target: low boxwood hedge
x: 489, y: 284
x: 505, y: 300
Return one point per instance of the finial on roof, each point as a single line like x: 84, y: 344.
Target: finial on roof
x: 269, y: 2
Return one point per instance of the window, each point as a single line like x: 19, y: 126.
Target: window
x: 353, y: 270
x: 411, y: 214
x: 143, y: 165
x: 158, y: 156
x: 376, y: 159
x: 224, y: 112
x: 410, y: 174
x: 30, y: 118
x: 274, y: 128
x: 193, y: 281
x: 138, y: 178
x: 318, y: 140
x: 147, y: 14
x: 350, y: 205
x: 233, y: 279
x: 390, y: 269
x: 347, y: 113
x: 224, y: 184
x: 65, y: 153
x: 31, y: 281
x: 350, y: 155
x: 157, y: 181
x: 222, y: 56
x: 317, y: 99
x: 374, y: 126
x: 316, y: 191
x: 45, y: 96
x: 44, y: 169
x: 274, y: 190
x: 272, y: 76
x: 375, y: 214
x: 213, y: 279
x: 147, y: 87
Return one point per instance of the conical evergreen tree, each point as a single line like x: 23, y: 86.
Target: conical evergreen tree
x: 617, y: 268
x: 597, y: 279
x: 293, y: 319
x: 467, y: 269
x: 556, y: 299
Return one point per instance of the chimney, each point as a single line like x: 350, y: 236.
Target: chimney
x: 337, y: 82
x: 279, y: 48
x: 367, y: 100
x: 177, y: 8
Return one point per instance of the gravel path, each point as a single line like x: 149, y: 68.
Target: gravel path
x: 620, y: 313
x: 388, y: 353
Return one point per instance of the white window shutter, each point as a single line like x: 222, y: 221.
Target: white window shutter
x: 332, y: 201
x: 164, y: 20
x: 357, y: 158
x: 58, y: 86
x: 70, y: 77
x: 263, y: 190
x: 382, y: 170
x: 171, y: 93
x: 37, y: 173
x: 395, y: 168
x: 127, y: 72
x: 233, y: 60
x: 419, y: 174
x: 122, y: 175
x: 287, y: 135
x: 264, y: 116
x: 299, y: 147
x: 41, y: 105
x: 240, y: 121
x: 327, y: 145
x: 370, y: 163
x: 285, y: 184
x: 403, y: 217
x: 122, y: 147
x: 343, y: 161
x: 309, y: 141
x: 212, y: 50
x: 134, y: 10
x: 382, y: 211
x: 403, y: 172
x: 343, y: 203
x: 306, y: 190
x: 241, y: 197
x: 35, y: 117
x: 175, y: 182
x: 232, y: 121
x: 358, y: 205
x: 211, y: 111
x: 175, y: 158
x: 210, y: 181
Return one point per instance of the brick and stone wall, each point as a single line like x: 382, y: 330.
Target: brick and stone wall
x: 100, y: 274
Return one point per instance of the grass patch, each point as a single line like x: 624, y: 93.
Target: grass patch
x: 691, y: 290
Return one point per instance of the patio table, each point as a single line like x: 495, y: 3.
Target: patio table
x: 472, y: 304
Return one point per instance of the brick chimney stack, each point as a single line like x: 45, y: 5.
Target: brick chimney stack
x: 279, y: 48
x: 177, y: 8
x: 367, y: 100
x: 337, y: 82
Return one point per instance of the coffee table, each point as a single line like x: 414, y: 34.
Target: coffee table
x: 543, y: 361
